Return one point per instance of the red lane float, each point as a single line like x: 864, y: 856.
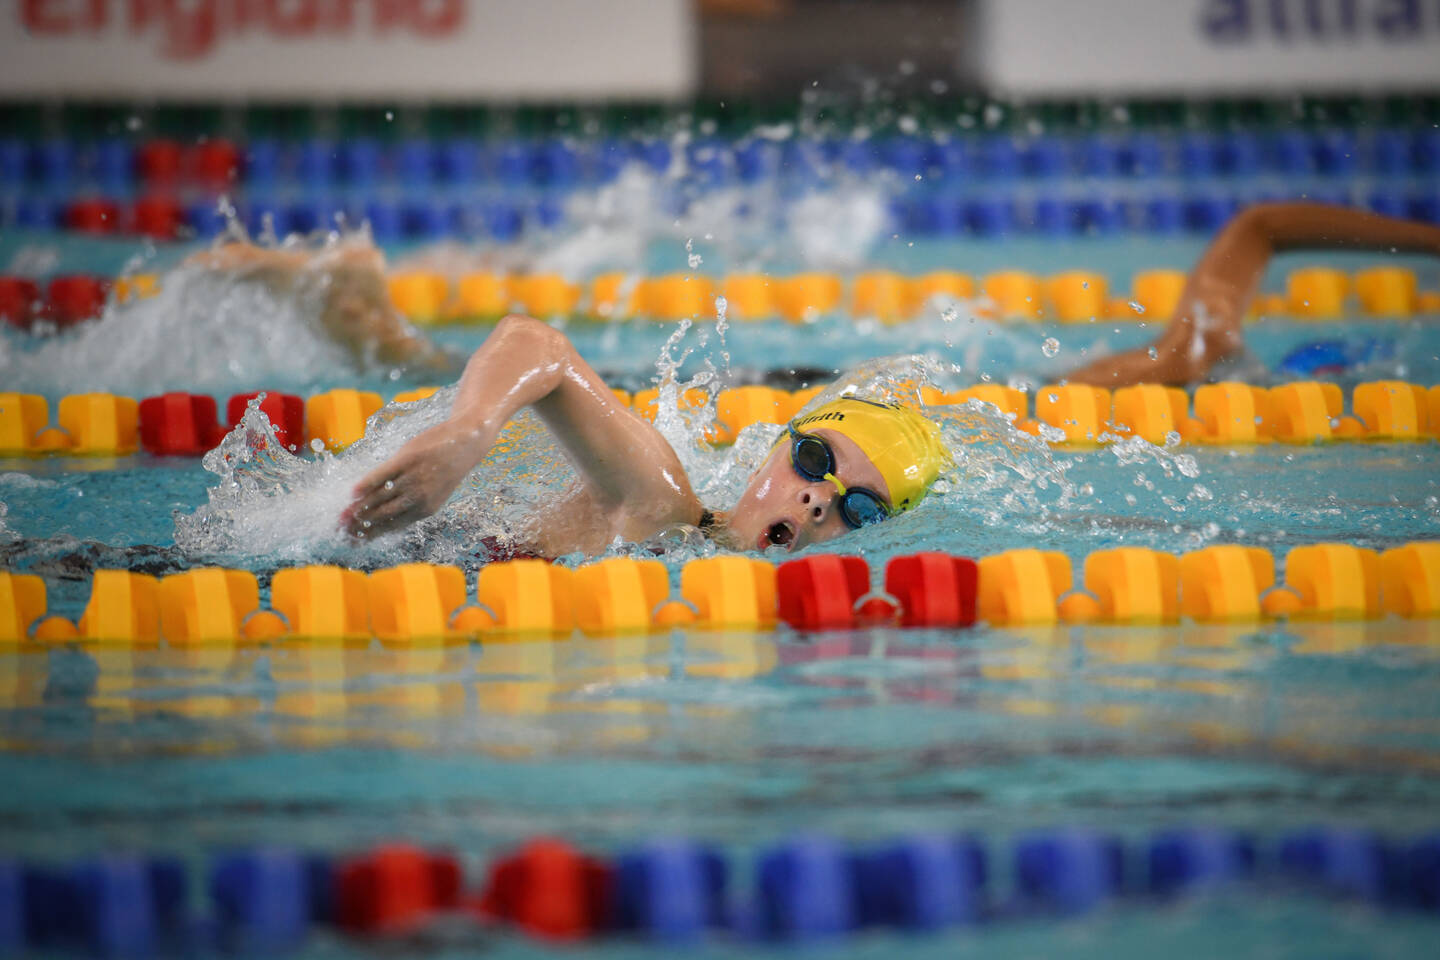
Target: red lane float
x: 394, y: 889
x: 819, y: 593
x: 157, y: 217
x: 94, y: 215
x: 933, y: 589
x: 178, y: 424
x: 160, y: 161
x: 74, y: 298
x: 548, y: 889
x: 215, y: 163
x: 19, y: 301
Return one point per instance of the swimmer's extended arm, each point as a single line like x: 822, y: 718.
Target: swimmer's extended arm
x: 1208, y: 319
x: 626, y: 465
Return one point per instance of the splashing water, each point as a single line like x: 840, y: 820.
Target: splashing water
x: 272, y: 502
x: 642, y: 215
x: 837, y: 233
x: 203, y: 330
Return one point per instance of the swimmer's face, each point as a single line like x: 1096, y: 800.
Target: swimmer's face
x: 782, y: 508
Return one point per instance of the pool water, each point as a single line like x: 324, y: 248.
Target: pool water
x: 748, y: 738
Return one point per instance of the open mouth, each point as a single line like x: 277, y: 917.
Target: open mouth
x: 781, y: 534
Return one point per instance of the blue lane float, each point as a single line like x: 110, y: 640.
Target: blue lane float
x: 1332, y: 152
x: 266, y: 900
x: 672, y: 890
x: 978, y: 184
x: 922, y: 883
x: 1185, y: 859
x: 811, y: 888
x: 1068, y: 871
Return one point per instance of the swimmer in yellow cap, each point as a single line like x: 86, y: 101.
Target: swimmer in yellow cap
x: 888, y: 455
x: 840, y: 466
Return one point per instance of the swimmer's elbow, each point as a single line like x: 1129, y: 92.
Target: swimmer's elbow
x: 518, y: 325
x: 531, y: 338
x: 1257, y: 223
x: 1279, y: 225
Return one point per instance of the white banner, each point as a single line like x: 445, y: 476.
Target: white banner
x: 356, y: 49
x: 1195, y: 46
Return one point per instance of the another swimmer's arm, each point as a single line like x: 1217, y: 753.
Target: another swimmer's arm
x: 623, y: 460
x: 1208, y: 318
x: 355, y: 310
x: 274, y: 268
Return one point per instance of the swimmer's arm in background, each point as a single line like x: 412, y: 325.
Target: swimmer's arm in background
x: 624, y: 462
x: 355, y: 311
x: 276, y: 269
x: 1207, y: 326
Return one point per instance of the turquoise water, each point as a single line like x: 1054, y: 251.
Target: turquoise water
x: 746, y: 738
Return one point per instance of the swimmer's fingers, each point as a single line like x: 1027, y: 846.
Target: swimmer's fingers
x: 375, y: 481
x: 360, y: 517
x: 368, y: 500
x: 390, y: 515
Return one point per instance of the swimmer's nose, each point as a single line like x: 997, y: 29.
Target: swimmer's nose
x: 816, y: 500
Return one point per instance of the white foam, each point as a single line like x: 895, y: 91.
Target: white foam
x: 202, y: 331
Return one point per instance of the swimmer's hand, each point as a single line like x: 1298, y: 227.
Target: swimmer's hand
x: 415, y: 482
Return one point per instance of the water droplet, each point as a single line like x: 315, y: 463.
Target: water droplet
x: 1136, y: 306
x: 1050, y: 347
x: 1154, y: 354
x: 317, y: 445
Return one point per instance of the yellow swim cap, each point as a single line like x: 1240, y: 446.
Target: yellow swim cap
x: 904, y: 445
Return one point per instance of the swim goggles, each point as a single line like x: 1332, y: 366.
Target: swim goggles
x: 813, y: 459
